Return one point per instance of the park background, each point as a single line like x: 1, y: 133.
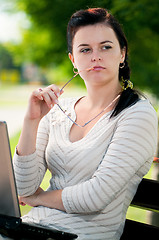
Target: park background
x: 37, y: 55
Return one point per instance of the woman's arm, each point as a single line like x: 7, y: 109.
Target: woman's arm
x: 30, y: 168
x: 29, y: 161
x: 39, y: 105
x: 52, y: 199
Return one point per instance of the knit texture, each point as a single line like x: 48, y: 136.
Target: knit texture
x: 99, y: 174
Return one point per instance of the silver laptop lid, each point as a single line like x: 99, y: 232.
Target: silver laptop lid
x: 9, y: 204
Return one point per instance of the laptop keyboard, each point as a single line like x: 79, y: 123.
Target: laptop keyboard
x: 45, y: 233
x: 15, y: 229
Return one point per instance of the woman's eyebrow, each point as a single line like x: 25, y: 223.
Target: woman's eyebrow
x: 86, y: 45
x: 83, y: 45
x: 107, y: 41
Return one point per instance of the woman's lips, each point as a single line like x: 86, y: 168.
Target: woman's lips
x: 98, y: 68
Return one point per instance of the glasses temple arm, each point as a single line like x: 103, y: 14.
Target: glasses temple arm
x: 68, y: 82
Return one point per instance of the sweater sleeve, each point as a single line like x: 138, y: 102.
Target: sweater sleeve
x: 132, y: 147
x: 30, y: 170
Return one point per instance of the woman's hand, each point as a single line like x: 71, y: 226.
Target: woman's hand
x: 41, y: 101
x: 31, y: 200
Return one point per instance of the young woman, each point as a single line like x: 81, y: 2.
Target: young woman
x: 100, y: 151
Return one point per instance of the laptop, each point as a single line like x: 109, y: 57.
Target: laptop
x: 11, y: 224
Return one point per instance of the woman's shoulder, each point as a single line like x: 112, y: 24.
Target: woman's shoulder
x: 142, y: 109
x: 143, y: 106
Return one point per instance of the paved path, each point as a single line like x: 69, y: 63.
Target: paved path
x: 14, y: 117
x: 13, y: 104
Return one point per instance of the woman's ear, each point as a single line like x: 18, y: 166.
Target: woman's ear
x: 72, y: 59
x: 123, y: 53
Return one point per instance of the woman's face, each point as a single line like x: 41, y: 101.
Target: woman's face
x: 97, y: 46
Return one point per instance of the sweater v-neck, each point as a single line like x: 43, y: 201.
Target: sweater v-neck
x: 74, y: 116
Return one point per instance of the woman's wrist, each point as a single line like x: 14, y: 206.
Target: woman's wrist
x: 31, y: 121
x: 27, y: 140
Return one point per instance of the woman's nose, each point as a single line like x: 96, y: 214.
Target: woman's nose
x: 96, y: 57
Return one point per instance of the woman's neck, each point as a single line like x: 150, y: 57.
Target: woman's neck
x: 100, y: 97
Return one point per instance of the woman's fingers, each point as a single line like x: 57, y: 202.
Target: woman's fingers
x: 50, y: 97
x: 37, y: 93
x: 55, y: 89
x: 21, y: 202
x: 49, y: 94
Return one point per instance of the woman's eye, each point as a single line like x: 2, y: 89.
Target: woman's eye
x: 85, y: 50
x: 106, y: 47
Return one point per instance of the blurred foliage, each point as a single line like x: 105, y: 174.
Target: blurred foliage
x: 6, y: 60
x: 45, y: 41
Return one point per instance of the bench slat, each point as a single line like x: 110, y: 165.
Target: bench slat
x: 138, y: 231
x: 147, y: 195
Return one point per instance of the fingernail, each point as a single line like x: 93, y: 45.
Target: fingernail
x: 51, y: 105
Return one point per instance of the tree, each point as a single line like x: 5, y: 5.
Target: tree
x: 45, y: 41
x: 6, y: 61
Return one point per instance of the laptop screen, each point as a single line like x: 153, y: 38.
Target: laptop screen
x: 9, y: 204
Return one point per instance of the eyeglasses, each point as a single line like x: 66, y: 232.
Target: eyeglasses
x: 85, y: 124
x: 88, y: 69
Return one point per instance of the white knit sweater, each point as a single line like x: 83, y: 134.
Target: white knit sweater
x: 99, y: 174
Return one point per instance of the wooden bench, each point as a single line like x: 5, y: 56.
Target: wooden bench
x: 147, y: 197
